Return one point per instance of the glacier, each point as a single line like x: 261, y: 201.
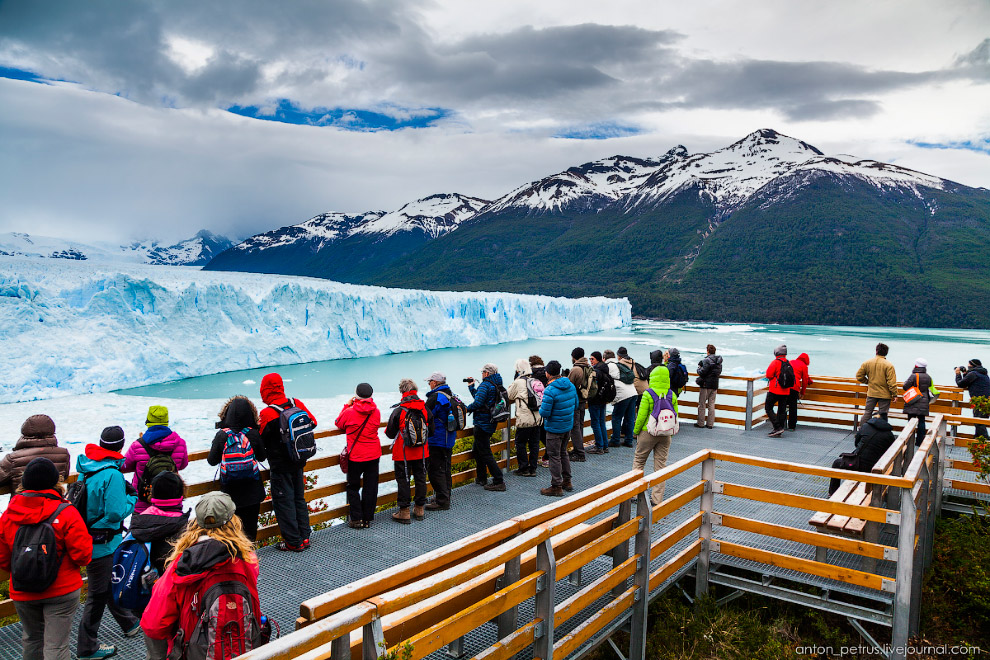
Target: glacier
x: 69, y: 327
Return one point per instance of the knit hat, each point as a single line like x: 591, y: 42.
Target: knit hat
x: 38, y: 426
x: 780, y: 350
x: 112, y: 438
x: 40, y: 474
x: 597, y: 355
x: 167, y: 486
x: 921, y: 362
x: 553, y: 368
x: 622, y: 352
x: 976, y: 363
x: 215, y: 509
x: 364, y: 391
x: 157, y: 416
x: 656, y: 357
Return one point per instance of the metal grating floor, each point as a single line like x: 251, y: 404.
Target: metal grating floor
x: 340, y: 555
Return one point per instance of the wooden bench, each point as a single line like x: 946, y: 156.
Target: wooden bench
x: 850, y: 491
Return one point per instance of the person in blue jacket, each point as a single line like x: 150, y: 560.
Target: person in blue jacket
x: 485, y: 398
x: 441, y: 442
x: 560, y: 400
x: 109, y: 500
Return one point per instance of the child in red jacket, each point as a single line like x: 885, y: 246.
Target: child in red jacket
x: 46, y: 616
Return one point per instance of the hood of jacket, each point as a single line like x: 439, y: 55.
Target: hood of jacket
x: 919, y: 370
x: 660, y: 381
x: 494, y: 379
x: 804, y: 358
x: 272, y: 389
x: 151, y: 526
x: 980, y: 370
x: 96, y: 458
x: 161, y: 438
x: 28, y: 510
x: 364, y: 406
x: 240, y: 415
x: 713, y: 359
x: 523, y: 368
x: 411, y: 400
x: 26, y: 442
x: 38, y: 426
x: 582, y: 362
x: 562, y: 384
x: 656, y: 357
x: 200, y: 558
x: 675, y: 355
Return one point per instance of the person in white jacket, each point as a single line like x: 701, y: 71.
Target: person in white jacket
x: 624, y: 405
x: 528, y: 421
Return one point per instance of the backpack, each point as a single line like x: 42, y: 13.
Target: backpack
x: 237, y: 461
x: 678, y: 376
x: 626, y: 373
x: 34, y: 557
x: 785, y: 377
x: 501, y: 408
x: 297, y: 432
x: 640, y: 372
x: 158, y: 462
x: 133, y: 575
x: 221, y: 622
x: 663, y: 417
x: 78, y: 495
x: 534, y: 394
x: 590, y: 388
x: 457, y: 419
x: 414, y: 432
x: 606, y: 388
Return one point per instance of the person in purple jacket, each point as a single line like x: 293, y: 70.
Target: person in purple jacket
x: 157, y: 439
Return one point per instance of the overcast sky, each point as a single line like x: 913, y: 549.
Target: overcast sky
x: 133, y: 120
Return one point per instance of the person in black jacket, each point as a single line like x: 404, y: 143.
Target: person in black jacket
x: 596, y: 406
x: 709, y: 370
x: 918, y: 408
x: 872, y: 440
x: 540, y: 374
x: 975, y: 380
x: 239, y: 415
x: 164, y: 521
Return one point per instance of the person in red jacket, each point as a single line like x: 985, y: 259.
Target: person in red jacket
x: 360, y: 419
x: 213, y: 549
x: 46, y: 616
x: 286, y: 476
x: 410, y: 462
x: 777, y: 396
x: 801, y: 382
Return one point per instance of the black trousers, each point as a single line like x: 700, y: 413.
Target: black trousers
x: 362, y: 489
x: 792, y: 401
x: 289, y: 502
x: 919, y: 435
x: 483, y: 457
x: 249, y: 519
x: 98, y: 598
x: 775, y: 407
x: 528, y: 447
x: 438, y: 466
x: 404, y: 471
x: 981, y: 430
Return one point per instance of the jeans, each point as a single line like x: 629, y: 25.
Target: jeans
x: 792, y: 401
x: 483, y: 458
x: 97, y: 599
x: 438, y: 466
x: 289, y: 503
x: 623, y: 421
x: 779, y: 418
x: 528, y: 447
x: 362, y: 489
x: 46, y: 625
x: 560, y: 462
x: 249, y: 519
x: 883, y: 405
x: 577, y: 431
x: 598, y: 425
x: 404, y: 471
x: 659, y: 445
x: 919, y: 434
x: 706, y: 407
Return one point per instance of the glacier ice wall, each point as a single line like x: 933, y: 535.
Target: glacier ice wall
x: 75, y: 327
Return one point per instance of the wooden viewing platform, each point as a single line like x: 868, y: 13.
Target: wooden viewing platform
x: 487, y: 578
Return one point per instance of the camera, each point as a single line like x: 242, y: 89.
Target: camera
x: 962, y: 369
x: 467, y: 380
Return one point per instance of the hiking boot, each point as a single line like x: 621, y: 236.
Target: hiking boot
x: 366, y: 524
x: 552, y: 491
x: 105, y: 651
x: 596, y: 450
x: 521, y: 472
x: 305, y: 544
x: 628, y: 444
x: 498, y: 488
x: 418, y: 513
x: 402, y: 516
x: 135, y: 631
x: 613, y: 444
x: 545, y: 462
x: 481, y: 482
x: 531, y: 472
x: 605, y: 449
x: 699, y: 426
x: 576, y: 457
x: 776, y: 433
x: 355, y: 524
x: 567, y: 485
x: 709, y: 427
x: 288, y: 547
x: 433, y: 506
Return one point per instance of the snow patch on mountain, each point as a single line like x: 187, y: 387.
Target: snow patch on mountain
x: 195, y: 251
x: 320, y: 230
x: 70, y: 327
x: 879, y: 174
x: 436, y: 215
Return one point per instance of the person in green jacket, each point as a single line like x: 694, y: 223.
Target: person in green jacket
x: 109, y: 500
x: 646, y: 443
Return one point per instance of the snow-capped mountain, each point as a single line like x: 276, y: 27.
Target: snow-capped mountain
x: 435, y: 215
x: 195, y: 251
x: 318, y: 231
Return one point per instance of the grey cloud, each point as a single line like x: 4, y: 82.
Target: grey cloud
x: 833, y: 110
x: 224, y: 76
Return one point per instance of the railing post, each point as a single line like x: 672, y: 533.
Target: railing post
x: 749, y: 405
x: 705, y: 533
x: 507, y: 452
x: 340, y: 648
x: 546, y: 562
x: 920, y: 549
x: 637, y: 627
x: 509, y: 619
x: 620, y: 553
x: 943, y: 451
x: 372, y: 640
x: 905, y: 571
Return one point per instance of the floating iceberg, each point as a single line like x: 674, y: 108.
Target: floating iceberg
x: 77, y: 327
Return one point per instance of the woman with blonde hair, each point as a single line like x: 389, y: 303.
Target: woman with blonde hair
x: 211, y: 563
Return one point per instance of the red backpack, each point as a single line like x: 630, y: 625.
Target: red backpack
x: 221, y: 620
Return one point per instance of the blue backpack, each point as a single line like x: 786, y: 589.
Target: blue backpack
x: 133, y: 576
x: 237, y: 461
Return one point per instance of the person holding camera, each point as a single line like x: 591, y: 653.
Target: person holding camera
x: 975, y: 380
x: 485, y: 397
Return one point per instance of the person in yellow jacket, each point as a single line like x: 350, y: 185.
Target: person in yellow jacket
x: 878, y: 373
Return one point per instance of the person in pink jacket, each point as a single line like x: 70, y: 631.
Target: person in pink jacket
x: 801, y: 382
x: 360, y: 420
x: 159, y: 438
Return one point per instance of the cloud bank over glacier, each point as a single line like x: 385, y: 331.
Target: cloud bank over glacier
x: 74, y: 327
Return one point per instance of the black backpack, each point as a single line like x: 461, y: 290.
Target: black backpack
x: 785, y: 377
x: 606, y: 388
x: 297, y: 432
x: 640, y: 371
x: 34, y: 557
x: 414, y: 432
x: 78, y: 496
x: 678, y: 376
x: 158, y: 462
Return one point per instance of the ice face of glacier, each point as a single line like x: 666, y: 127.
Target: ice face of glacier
x: 78, y: 327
